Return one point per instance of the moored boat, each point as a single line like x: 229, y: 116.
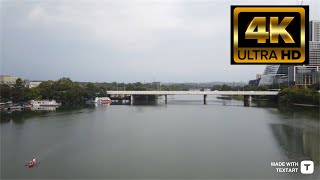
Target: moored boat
x: 44, y: 103
x: 102, y: 100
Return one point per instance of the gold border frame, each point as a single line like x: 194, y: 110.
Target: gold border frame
x: 302, y: 49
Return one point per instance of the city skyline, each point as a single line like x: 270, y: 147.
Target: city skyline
x: 124, y: 41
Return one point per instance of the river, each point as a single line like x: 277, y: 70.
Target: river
x: 184, y: 139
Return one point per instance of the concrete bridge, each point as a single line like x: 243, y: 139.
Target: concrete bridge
x: 247, y: 94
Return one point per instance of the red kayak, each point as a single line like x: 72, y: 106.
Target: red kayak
x: 32, y: 164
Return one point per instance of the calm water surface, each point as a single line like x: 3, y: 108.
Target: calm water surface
x: 183, y: 139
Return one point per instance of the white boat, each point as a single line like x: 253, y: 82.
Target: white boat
x: 44, y: 103
x: 102, y: 100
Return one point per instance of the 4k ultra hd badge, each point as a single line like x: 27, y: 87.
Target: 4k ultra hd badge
x: 269, y: 34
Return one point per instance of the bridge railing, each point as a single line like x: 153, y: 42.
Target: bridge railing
x: 252, y: 93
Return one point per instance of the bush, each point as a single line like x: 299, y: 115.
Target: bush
x: 300, y: 95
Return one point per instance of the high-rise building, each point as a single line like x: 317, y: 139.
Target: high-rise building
x: 314, y: 53
x: 310, y: 74
x: 314, y: 43
x: 300, y: 75
x: 314, y: 31
x: 306, y: 75
x: 271, y: 69
x: 274, y: 74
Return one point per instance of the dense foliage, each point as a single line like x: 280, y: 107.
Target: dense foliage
x: 225, y: 87
x: 63, y: 90
x: 138, y: 86
x: 299, y: 95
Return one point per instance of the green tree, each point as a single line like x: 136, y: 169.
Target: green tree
x: 300, y: 95
x: 5, y: 92
x: 32, y: 94
x: 91, y: 90
x: 46, y: 90
x: 18, y: 91
x: 225, y: 87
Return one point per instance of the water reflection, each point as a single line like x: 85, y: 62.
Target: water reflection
x: 247, y: 103
x: 120, y: 102
x: 297, y: 143
x: 18, y: 117
x: 295, y: 112
x: 43, y: 108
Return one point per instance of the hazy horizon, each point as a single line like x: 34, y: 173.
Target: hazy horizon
x: 124, y: 41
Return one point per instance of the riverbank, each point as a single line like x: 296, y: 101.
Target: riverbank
x: 305, y: 105
x: 299, y: 96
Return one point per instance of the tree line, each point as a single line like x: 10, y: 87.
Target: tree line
x: 299, y: 95
x: 63, y: 90
x: 67, y: 91
x: 288, y: 94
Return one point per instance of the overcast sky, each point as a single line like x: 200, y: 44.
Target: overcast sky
x: 124, y: 40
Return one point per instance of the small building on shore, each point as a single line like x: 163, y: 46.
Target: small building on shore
x: 32, y: 84
x: 8, y: 80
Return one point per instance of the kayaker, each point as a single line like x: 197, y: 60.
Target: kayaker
x: 34, y: 160
x: 31, y: 163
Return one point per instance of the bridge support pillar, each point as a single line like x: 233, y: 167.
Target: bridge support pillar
x: 247, y: 98
x: 205, y: 99
x: 131, y: 99
x: 165, y: 99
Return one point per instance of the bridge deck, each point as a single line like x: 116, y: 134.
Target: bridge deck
x: 252, y: 93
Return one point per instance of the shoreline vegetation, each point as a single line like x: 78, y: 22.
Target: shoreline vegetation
x: 299, y: 96
x: 306, y: 105
x: 68, y: 92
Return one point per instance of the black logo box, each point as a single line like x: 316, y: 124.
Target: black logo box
x: 246, y: 18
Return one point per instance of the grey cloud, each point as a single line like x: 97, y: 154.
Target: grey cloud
x: 123, y: 40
